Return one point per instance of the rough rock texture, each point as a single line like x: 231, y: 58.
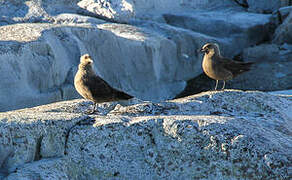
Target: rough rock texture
x: 237, y: 29
x: 271, y: 71
x: 266, y: 6
x: 44, y: 57
x: 115, y: 10
x: 285, y: 93
x: 118, y: 10
x: 281, y: 14
x: 272, y: 68
x: 153, y: 9
x: 147, y: 48
x: 283, y: 33
x: 125, y: 10
x: 213, y: 135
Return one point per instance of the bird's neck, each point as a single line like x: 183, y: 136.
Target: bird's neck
x: 212, y: 55
x: 86, y: 68
x: 214, y: 52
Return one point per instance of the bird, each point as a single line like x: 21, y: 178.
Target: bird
x: 218, y: 67
x: 94, y: 88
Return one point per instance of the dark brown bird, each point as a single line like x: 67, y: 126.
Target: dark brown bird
x: 220, y: 68
x: 92, y: 87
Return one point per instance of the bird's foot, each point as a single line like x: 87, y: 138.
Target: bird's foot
x: 88, y: 112
x: 91, y: 111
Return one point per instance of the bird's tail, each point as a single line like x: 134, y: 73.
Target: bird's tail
x: 123, y: 96
x: 240, y: 67
x: 246, y: 66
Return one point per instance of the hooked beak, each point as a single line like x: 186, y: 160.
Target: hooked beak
x: 90, y: 60
x: 201, y: 50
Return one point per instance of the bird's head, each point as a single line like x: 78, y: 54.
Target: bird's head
x: 86, y: 60
x: 211, y: 49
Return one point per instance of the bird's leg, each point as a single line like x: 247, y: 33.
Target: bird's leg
x: 216, y: 85
x: 93, y: 110
x: 223, y: 85
x: 94, y: 107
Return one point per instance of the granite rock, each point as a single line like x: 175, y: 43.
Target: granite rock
x: 271, y: 68
x: 283, y: 32
x: 266, y: 6
x: 213, y: 135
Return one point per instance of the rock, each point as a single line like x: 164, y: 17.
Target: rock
x: 41, y: 42
x: 213, y: 135
x: 71, y: 19
x: 242, y: 3
x: 113, y: 10
x: 125, y: 11
x: 29, y: 139
x: 44, y: 59
x: 280, y: 15
x: 54, y: 168
x: 266, y: 6
x: 35, y: 11
x: 271, y: 70
x: 117, y: 10
x: 246, y: 28
x: 283, y: 33
x: 285, y: 93
x: 30, y: 70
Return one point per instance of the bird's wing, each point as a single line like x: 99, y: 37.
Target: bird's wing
x: 102, y: 91
x: 224, y: 60
x: 235, y: 67
x: 99, y: 88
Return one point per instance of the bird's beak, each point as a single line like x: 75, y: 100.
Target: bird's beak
x: 201, y: 50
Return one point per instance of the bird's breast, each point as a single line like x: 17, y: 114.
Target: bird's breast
x: 207, y: 66
x: 214, y: 69
x: 80, y: 85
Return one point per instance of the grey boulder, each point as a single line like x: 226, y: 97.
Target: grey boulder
x: 271, y: 70
x: 39, y: 61
x: 266, y: 6
x: 283, y: 33
x: 213, y: 135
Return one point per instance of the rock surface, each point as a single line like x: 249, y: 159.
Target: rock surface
x: 281, y: 14
x: 283, y: 33
x: 286, y: 93
x: 44, y: 57
x: 213, y: 135
x: 266, y: 6
x: 232, y: 30
x: 146, y: 48
x: 271, y: 71
x: 271, y: 68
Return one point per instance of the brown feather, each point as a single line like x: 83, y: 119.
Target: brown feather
x: 92, y: 87
x: 236, y: 67
x: 219, y: 68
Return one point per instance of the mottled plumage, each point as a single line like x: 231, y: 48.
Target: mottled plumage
x: 92, y: 87
x: 220, y: 68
